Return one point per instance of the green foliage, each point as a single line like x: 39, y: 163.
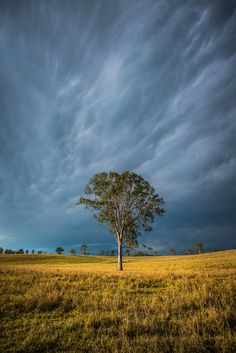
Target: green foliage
x: 126, y: 202
x: 1, y: 250
x: 83, y: 249
x: 148, y: 250
x: 131, y: 243
x: 72, y: 251
x: 199, y: 248
x: 9, y: 251
x: 59, y: 250
x: 20, y: 251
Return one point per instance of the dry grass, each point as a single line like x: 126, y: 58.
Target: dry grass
x: 82, y: 304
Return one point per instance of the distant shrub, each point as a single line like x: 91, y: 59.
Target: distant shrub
x: 9, y: 251
x: 59, y: 250
x: 199, y: 248
x: 83, y: 249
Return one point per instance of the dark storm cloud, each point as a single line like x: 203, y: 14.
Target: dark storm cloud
x: 147, y: 86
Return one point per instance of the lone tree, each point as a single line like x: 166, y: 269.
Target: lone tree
x: 126, y: 202
x: 59, y: 250
x: 199, y: 248
x: 83, y: 249
x: 172, y: 252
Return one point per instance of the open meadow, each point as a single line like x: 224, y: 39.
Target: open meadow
x: 65, y: 303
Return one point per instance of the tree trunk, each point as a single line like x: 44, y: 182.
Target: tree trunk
x: 120, y: 265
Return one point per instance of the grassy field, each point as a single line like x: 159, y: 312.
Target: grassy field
x: 53, y: 303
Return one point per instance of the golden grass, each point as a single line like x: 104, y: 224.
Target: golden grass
x: 83, y: 304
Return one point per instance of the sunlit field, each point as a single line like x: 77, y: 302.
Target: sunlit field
x: 60, y: 303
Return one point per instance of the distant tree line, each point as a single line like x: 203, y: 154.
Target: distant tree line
x: 20, y: 251
x: 83, y: 248
x: 135, y: 249
x: 132, y: 248
x: 198, y: 248
x: 107, y: 252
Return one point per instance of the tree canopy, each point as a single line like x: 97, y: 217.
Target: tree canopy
x: 199, y: 248
x: 59, y: 250
x: 83, y: 249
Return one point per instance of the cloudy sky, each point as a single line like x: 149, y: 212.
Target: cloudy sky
x: 101, y: 85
